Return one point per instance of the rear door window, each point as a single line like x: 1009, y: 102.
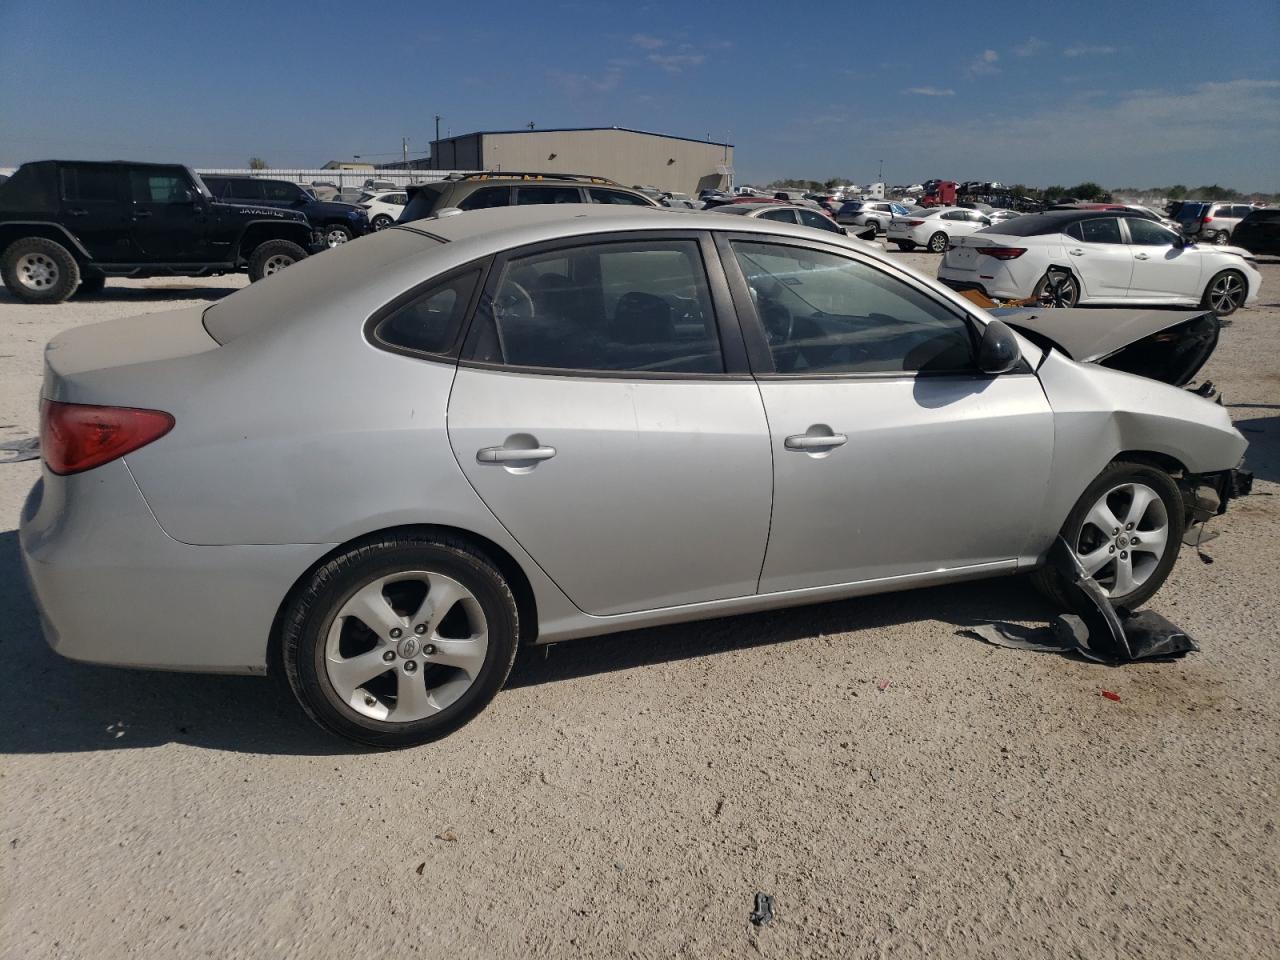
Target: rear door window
x: 1102, y: 230
x: 640, y: 306
x: 91, y: 183
x: 782, y: 216
x: 428, y: 322
x: 816, y: 220
x: 532, y: 195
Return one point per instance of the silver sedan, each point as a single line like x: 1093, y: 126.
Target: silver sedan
x: 382, y: 471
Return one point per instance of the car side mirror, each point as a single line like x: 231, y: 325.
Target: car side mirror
x: 1179, y: 242
x: 998, y: 351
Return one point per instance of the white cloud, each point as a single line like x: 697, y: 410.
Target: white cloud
x: 1086, y: 51
x: 677, y: 62
x: 931, y: 91
x: 581, y: 84
x: 984, y: 64
x: 647, y: 42
x: 1029, y: 47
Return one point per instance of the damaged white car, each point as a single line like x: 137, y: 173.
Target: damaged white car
x: 383, y: 470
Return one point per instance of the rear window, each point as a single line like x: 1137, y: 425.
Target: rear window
x: 1190, y: 211
x: 422, y: 201
x: 1030, y: 225
x: 26, y: 189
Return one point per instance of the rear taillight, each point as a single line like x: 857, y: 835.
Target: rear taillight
x: 913, y: 223
x: 1002, y: 253
x: 1206, y: 219
x: 75, y: 437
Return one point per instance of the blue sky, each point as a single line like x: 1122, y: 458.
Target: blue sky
x: 1123, y: 93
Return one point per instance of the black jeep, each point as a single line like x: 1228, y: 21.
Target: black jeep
x: 336, y: 222
x: 68, y: 225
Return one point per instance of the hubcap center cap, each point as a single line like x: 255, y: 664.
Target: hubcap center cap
x: 408, y: 648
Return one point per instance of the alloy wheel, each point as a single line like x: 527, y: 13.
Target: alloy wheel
x: 406, y: 646
x: 1123, y: 538
x: 1058, y: 290
x: 275, y: 264
x: 37, y: 271
x: 1226, y: 294
x: 335, y: 237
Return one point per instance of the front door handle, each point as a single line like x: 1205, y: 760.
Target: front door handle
x: 1076, y: 252
x: 78, y: 213
x: 1141, y: 256
x: 513, y: 454
x: 805, y: 441
x: 138, y: 214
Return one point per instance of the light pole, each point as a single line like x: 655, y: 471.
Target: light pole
x: 435, y: 164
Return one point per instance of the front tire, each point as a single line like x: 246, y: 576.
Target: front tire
x: 1221, y: 238
x: 874, y: 225
x: 36, y: 270
x: 1225, y: 293
x: 272, y: 257
x: 381, y: 222
x: 1125, y: 530
x: 938, y: 243
x: 336, y: 234
x: 400, y: 640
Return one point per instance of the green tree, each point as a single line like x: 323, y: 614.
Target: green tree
x: 1176, y: 192
x: 1087, y: 191
x: 257, y: 163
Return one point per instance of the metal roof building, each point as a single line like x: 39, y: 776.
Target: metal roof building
x: 631, y: 157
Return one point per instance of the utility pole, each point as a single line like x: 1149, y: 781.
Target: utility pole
x: 435, y: 163
x: 404, y: 150
x: 881, y: 177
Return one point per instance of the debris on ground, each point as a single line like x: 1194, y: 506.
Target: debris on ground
x: 27, y: 448
x: 422, y: 866
x: 1110, y: 695
x: 1095, y: 630
x: 883, y: 685
x: 762, y: 915
x: 448, y: 836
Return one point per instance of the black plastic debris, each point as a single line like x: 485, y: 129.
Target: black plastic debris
x: 1095, y: 629
x: 762, y: 915
x: 26, y: 449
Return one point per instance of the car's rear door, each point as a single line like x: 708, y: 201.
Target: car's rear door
x: 1100, y: 257
x: 893, y: 456
x: 94, y: 206
x: 604, y: 411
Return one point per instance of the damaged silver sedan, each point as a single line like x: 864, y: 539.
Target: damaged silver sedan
x: 383, y: 470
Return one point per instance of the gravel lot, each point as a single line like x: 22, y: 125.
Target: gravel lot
x: 628, y: 796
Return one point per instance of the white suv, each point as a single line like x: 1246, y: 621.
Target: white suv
x: 1213, y: 222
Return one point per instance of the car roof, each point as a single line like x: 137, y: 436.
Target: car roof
x: 758, y: 209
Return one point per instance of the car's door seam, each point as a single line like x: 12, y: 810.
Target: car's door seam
x: 773, y: 482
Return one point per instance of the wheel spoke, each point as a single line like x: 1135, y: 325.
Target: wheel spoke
x: 1142, y: 497
x: 1095, y: 561
x: 1151, y: 541
x: 1102, y: 518
x: 370, y: 607
x: 1124, y: 576
x: 467, y: 655
x: 413, y: 702
x: 356, y: 671
x: 442, y: 594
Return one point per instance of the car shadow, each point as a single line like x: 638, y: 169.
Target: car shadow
x: 55, y: 705
x: 1263, y: 434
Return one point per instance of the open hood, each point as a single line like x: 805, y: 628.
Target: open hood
x: 1166, y: 345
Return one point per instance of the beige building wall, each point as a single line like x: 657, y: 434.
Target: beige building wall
x: 630, y: 158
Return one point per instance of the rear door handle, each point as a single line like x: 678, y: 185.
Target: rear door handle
x: 78, y: 213
x: 514, y: 454
x: 1076, y: 252
x: 1141, y: 256
x: 803, y: 441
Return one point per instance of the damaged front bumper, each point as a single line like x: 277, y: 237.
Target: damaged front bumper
x: 1206, y: 495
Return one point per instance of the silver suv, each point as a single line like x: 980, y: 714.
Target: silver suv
x: 870, y: 213
x: 1213, y: 222
x: 480, y: 191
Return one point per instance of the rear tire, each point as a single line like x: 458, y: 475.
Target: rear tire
x: 906, y: 246
x: 36, y: 270
x: 1057, y: 288
x: 435, y: 698
x: 336, y: 234
x: 938, y: 243
x: 381, y: 222
x: 874, y: 225
x: 1078, y: 526
x: 272, y: 257
x: 1225, y: 293
x: 1222, y: 238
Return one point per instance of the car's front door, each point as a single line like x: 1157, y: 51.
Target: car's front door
x: 893, y: 456
x: 1100, y: 257
x: 93, y: 205
x: 1162, y: 267
x: 597, y: 414
x: 170, y: 217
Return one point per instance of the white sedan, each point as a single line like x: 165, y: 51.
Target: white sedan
x: 934, y: 228
x: 384, y: 209
x: 1069, y: 257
